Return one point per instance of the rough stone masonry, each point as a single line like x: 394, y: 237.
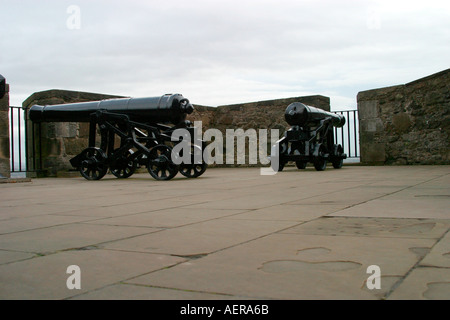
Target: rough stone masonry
x: 406, y: 124
x: 4, y: 129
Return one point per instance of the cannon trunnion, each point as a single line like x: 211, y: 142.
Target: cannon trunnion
x: 134, y: 132
x: 310, y: 139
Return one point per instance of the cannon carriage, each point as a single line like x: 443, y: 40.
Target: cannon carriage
x: 141, y: 127
x: 309, y: 140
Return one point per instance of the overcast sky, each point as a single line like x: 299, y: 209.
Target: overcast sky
x: 221, y: 52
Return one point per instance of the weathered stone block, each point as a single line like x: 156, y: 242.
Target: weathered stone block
x: 83, y: 130
x: 4, y: 147
x: 4, y: 134
x: 4, y: 168
x: 368, y: 109
x: 67, y: 129
x: 401, y: 122
x: 4, y: 124
x: 51, y: 147
x: 371, y: 125
x: 74, y: 146
x: 4, y: 101
x: 373, y: 153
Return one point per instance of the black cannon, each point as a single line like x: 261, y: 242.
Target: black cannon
x: 310, y: 139
x: 144, y: 128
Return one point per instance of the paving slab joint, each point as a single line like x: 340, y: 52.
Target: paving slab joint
x: 191, y: 256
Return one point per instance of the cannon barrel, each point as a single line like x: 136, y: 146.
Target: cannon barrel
x: 169, y: 108
x: 299, y: 114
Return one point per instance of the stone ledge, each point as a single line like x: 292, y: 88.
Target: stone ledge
x: 14, y: 180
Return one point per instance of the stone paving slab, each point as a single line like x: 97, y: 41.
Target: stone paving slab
x: 374, y: 227
x: 17, y: 224
x: 68, y: 236
x: 424, y: 284
x: 134, y: 292
x: 167, y: 218
x: 230, y: 234
x: 11, y: 256
x: 121, y: 210
x: 288, y: 212
x: 399, y: 208
x: 439, y: 256
x: 41, y: 277
x: 200, y: 238
x: 291, y: 266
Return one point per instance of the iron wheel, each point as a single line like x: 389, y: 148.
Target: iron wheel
x: 320, y: 162
x: 93, y: 164
x: 160, y: 165
x: 124, y: 166
x: 338, y: 161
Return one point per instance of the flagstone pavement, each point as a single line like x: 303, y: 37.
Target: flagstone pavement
x: 359, y: 232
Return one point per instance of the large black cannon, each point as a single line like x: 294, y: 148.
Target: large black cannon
x: 144, y: 127
x: 310, y: 139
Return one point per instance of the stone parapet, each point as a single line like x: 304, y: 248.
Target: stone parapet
x: 56, y: 143
x: 53, y: 144
x: 406, y: 124
x: 4, y: 132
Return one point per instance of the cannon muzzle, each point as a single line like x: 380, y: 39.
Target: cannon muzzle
x: 169, y: 108
x: 299, y: 114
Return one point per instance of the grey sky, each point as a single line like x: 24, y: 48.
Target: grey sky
x: 222, y: 52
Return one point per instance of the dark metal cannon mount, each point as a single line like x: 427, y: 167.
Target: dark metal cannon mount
x: 310, y: 139
x: 140, y: 125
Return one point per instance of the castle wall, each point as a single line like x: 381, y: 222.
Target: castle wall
x: 406, y: 124
x: 4, y: 132
x: 59, y: 142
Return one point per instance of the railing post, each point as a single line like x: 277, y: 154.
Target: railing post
x: 11, y: 138
x: 347, y: 136
x: 16, y: 123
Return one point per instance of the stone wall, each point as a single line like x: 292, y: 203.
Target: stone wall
x: 62, y: 141
x: 4, y: 130
x: 406, y: 124
x: 59, y: 142
x: 268, y: 114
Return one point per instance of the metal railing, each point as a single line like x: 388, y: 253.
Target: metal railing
x: 348, y: 135
x: 17, y: 140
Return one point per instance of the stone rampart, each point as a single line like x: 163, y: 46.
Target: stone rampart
x: 57, y: 143
x: 406, y: 124
x: 4, y: 129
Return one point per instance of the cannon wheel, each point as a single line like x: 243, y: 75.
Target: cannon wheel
x: 300, y: 164
x: 282, y: 149
x: 124, y: 166
x: 93, y: 163
x: 338, y: 162
x: 320, y: 162
x: 160, y: 165
x: 281, y: 163
x: 193, y: 170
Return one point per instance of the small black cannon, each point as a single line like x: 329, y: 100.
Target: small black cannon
x: 310, y: 139
x: 141, y: 124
